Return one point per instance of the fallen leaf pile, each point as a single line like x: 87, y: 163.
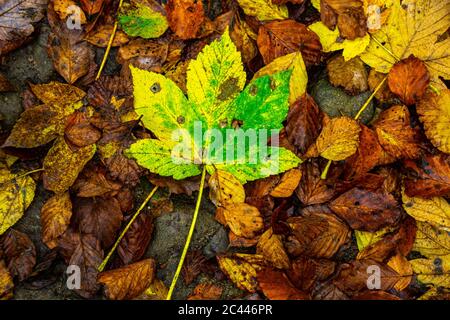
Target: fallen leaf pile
x: 336, y: 208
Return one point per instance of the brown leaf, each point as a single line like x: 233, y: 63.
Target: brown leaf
x: 395, y: 133
x: 312, y: 189
x: 79, y: 131
x: 409, y: 79
x: 383, y: 94
x: 133, y: 245
x: 92, y: 6
x: 84, y: 251
x: 205, y: 291
x: 367, y: 210
x: 55, y: 218
x: 186, y: 186
x: 401, y: 265
x: 287, y: 184
x: 318, y: 233
x: 305, y: 272
x: 368, y: 155
x: 278, y: 38
x: 429, y: 177
x: 192, y: 266
x: 276, y: 286
x: 353, y: 277
x: 93, y: 182
x: 99, y: 217
x: 375, y: 295
x: 185, y: 17
x: 17, y: 21
x: 351, y: 74
x: 19, y: 252
x: 71, y: 55
x: 347, y: 14
x: 100, y: 36
x: 304, y: 122
x: 128, y: 282
x: 156, y: 50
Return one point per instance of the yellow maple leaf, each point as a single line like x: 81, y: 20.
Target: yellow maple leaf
x: 413, y: 27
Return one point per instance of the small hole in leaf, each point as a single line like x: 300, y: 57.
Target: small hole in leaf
x: 155, y: 88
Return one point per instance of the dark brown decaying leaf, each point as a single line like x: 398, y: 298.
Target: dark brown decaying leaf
x: 92, y: 6
x: 305, y: 272
x: 317, y: 233
x: 128, y: 282
x: 304, y: 122
x: 84, y: 251
x: 17, y: 20
x: 79, y: 131
x: 192, y: 266
x: 409, y: 79
x: 429, y: 177
x: 133, y: 245
x: 19, y: 252
x: 185, y: 17
x: 205, y: 291
x: 312, y: 189
x: 367, y: 210
x: 93, y: 182
x: 278, y: 38
x: 99, y: 217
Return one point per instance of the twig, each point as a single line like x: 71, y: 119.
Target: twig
x: 116, y: 244
x: 189, y: 237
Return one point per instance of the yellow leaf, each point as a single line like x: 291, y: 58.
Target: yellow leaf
x: 402, y: 266
x: 156, y: 291
x: 62, y: 165
x: 57, y: 93
x: 331, y: 41
x: 431, y: 241
x: 6, y: 282
x: 433, y: 271
x: 242, y: 269
x: 55, y: 217
x: 435, y: 293
x: 365, y: 238
x: 434, y: 113
x: 270, y: 246
x: 263, y: 10
x: 225, y: 189
x: 435, y: 210
x: 339, y: 139
x: 243, y: 219
x: 289, y: 182
x: 16, y: 194
x: 414, y: 28
x: 299, y: 77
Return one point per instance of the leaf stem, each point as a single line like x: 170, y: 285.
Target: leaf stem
x: 29, y: 172
x: 323, y: 176
x: 189, y: 237
x: 124, y: 231
x: 366, y: 104
x: 108, y: 47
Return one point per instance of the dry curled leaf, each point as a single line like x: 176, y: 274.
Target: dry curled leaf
x: 128, y: 282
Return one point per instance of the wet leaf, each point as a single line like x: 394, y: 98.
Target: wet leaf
x: 128, y: 282
x: 55, y: 218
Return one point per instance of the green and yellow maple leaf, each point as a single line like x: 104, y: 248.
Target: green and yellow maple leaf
x: 218, y: 105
